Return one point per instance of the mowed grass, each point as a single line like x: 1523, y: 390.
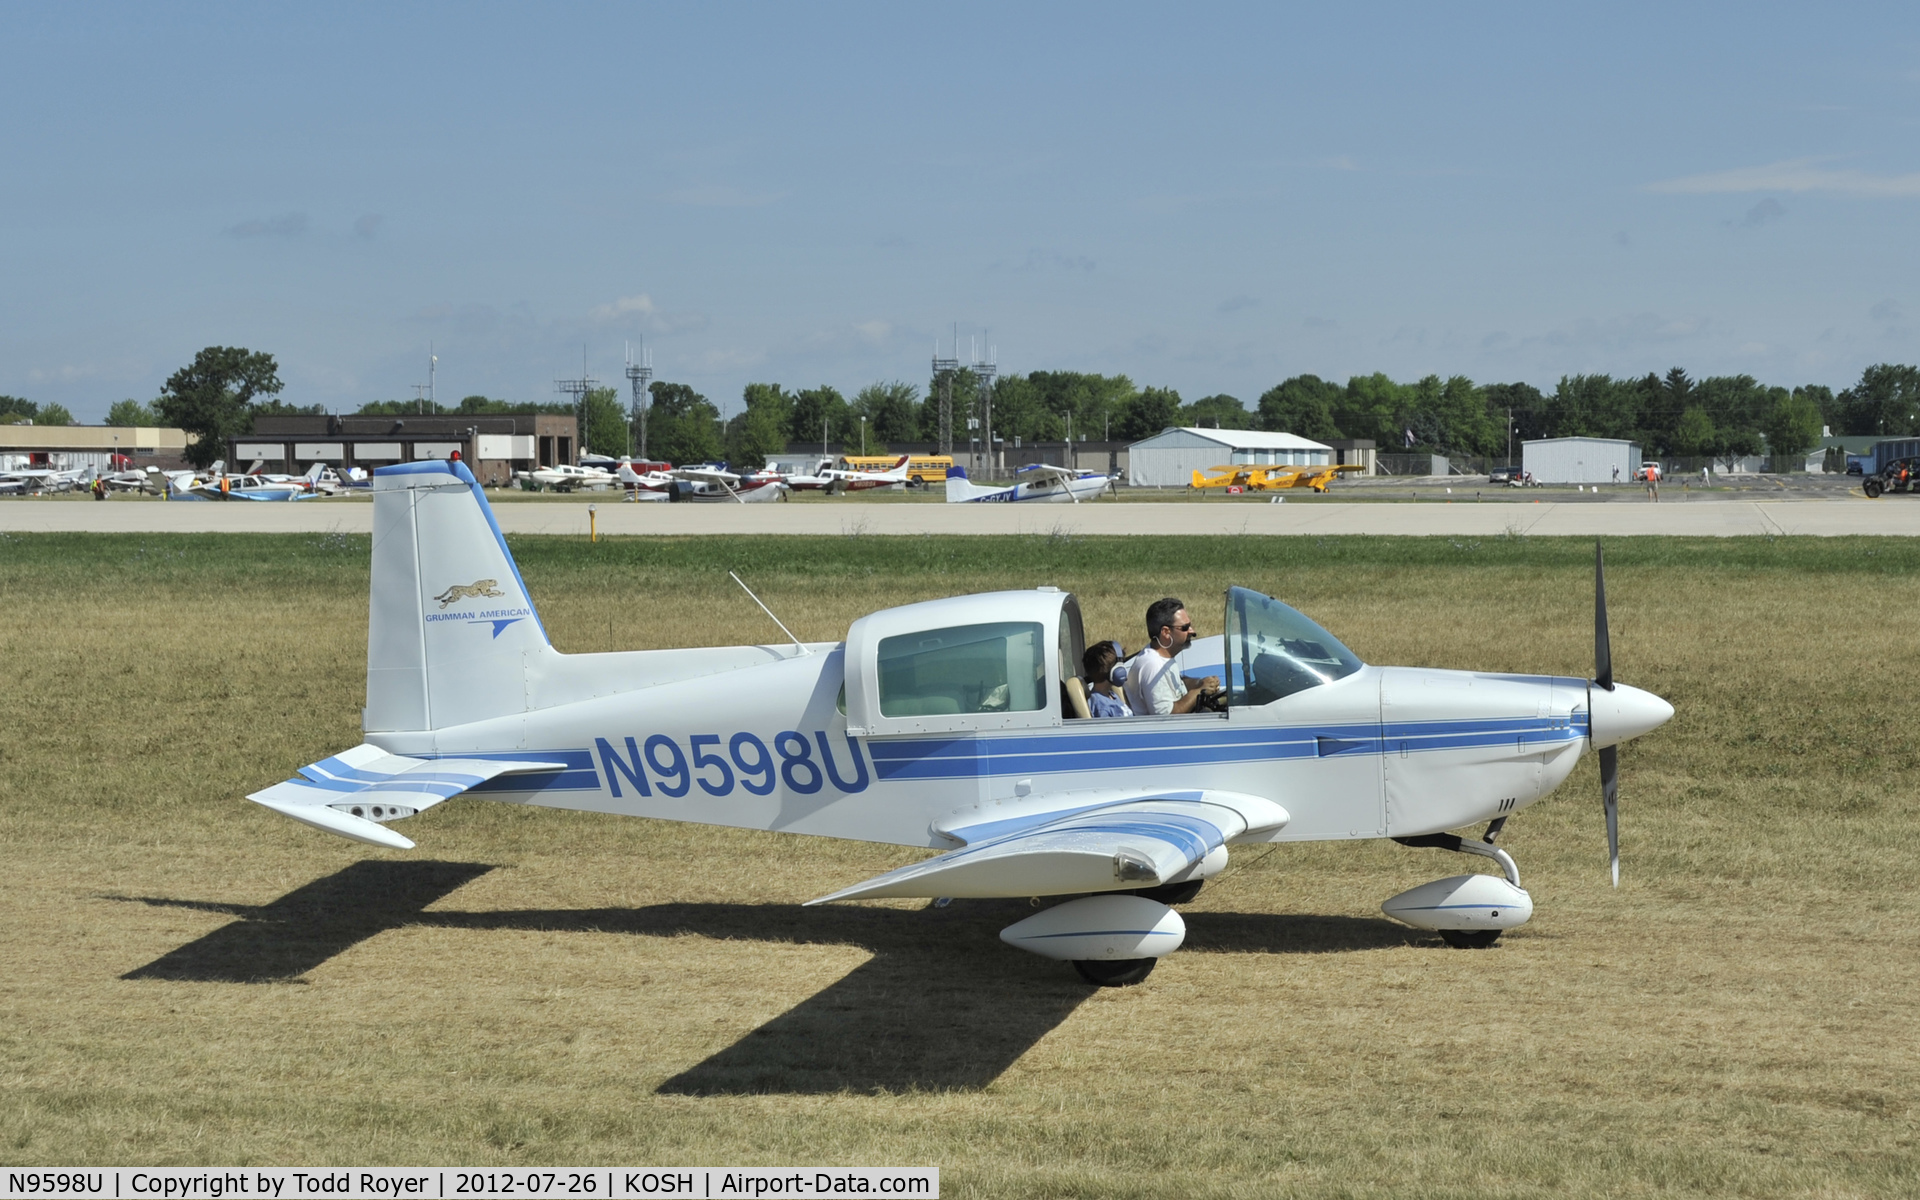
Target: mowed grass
x: 187, y: 978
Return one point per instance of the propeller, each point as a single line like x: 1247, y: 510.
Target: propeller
x: 1603, y: 678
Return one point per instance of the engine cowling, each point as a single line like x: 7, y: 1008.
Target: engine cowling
x: 1105, y: 928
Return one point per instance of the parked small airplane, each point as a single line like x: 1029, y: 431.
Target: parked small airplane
x: 42, y: 480
x: 715, y: 485
x: 956, y: 725
x: 1047, y: 483
x: 565, y: 477
x: 842, y: 480
x: 1249, y: 478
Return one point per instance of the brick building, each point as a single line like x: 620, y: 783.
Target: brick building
x: 493, y: 447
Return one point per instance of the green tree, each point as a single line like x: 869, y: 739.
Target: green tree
x: 1528, y: 407
x: 1150, y: 411
x: 760, y: 428
x: 1793, y: 429
x: 1694, y: 435
x: 1302, y: 406
x: 606, y: 423
x: 892, y: 411
x: 15, y: 411
x: 966, y: 396
x: 1885, y: 403
x: 53, y: 414
x: 212, y: 397
x: 682, y: 425
x: 818, y: 415
x: 131, y: 412
x: 1372, y: 406
x: 1219, y: 411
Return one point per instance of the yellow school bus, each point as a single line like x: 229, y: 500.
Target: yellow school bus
x: 926, y: 468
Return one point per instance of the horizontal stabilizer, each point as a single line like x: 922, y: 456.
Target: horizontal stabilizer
x: 1134, y: 842
x: 352, y: 792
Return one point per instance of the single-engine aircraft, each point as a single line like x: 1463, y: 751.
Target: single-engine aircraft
x: 959, y: 725
x: 1043, y: 482
x: 844, y: 480
x: 1251, y: 478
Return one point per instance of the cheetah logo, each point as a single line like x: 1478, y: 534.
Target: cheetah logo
x: 468, y: 591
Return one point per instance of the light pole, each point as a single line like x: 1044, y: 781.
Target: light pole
x: 863, y: 437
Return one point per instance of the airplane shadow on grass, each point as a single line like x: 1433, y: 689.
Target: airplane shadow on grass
x: 941, y: 1005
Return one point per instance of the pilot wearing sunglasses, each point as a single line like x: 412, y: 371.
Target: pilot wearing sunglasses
x: 1153, y: 684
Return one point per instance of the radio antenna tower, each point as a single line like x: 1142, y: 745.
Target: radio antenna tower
x: 579, y: 389
x: 640, y: 377
x: 944, y: 369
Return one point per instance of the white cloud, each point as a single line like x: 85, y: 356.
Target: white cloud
x: 625, y: 306
x: 1793, y: 175
x: 874, y: 331
x: 62, y: 374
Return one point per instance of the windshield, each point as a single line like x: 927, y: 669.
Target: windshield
x: 1274, y: 650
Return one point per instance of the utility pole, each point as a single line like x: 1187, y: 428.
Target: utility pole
x: 640, y: 377
x: 579, y: 389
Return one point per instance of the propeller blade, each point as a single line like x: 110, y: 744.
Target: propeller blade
x: 1602, y: 646
x: 1610, y: 798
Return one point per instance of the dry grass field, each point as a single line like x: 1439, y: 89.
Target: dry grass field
x: 186, y: 978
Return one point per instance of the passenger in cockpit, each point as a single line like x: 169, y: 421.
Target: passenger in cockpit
x: 1104, y: 699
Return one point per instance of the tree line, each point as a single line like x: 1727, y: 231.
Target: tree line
x: 225, y: 387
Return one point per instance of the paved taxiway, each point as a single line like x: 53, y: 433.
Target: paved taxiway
x: 1700, y: 517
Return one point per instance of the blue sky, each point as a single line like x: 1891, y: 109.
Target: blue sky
x: 1211, y: 198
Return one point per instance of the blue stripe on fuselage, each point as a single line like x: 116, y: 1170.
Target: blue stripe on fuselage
x: 1122, y: 749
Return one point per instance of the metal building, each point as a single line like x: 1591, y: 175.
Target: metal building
x: 1169, y: 458
x: 1580, y: 460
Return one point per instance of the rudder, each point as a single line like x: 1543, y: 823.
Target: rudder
x: 450, y: 625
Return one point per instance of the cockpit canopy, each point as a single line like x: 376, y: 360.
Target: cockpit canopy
x: 1010, y: 660
x: 1274, y: 650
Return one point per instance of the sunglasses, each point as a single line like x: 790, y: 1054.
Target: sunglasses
x: 1187, y: 628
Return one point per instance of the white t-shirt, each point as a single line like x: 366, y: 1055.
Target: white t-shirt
x: 1153, y: 683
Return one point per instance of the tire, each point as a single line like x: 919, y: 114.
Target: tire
x: 1173, y: 893
x: 1118, y: 972
x: 1470, y: 939
x: 1873, y: 488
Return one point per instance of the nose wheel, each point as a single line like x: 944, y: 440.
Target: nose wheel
x: 1470, y: 939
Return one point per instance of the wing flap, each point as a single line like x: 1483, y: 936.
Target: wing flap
x: 352, y: 792
x: 1129, y: 843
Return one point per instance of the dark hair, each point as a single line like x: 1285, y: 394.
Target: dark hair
x: 1161, y: 613
x: 1098, y: 661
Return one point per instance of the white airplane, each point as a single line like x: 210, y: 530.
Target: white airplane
x: 841, y: 480
x: 564, y: 477
x: 955, y: 725
x: 1055, y: 484
x: 40, y: 480
x: 713, y: 485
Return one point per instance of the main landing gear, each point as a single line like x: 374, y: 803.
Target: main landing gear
x: 1469, y: 912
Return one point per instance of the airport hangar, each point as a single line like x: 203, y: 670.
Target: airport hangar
x: 493, y: 447
x: 1580, y: 460
x: 1169, y: 458
x: 103, y: 447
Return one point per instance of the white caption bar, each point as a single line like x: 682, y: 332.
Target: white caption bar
x: 459, y: 1183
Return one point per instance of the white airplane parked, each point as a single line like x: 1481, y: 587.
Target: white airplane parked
x: 713, y: 485
x: 1054, y: 484
x: 43, y: 479
x: 841, y: 480
x: 955, y: 725
x: 564, y: 477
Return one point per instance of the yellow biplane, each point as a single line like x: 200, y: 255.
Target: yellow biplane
x: 1249, y: 478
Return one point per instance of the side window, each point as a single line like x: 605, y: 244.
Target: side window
x: 994, y: 668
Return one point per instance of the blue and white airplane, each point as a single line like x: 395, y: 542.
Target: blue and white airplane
x: 1045, y: 483
x: 958, y: 725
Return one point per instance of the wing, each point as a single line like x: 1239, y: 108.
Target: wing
x: 1102, y: 846
x: 353, y: 791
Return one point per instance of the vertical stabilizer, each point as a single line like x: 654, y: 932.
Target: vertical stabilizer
x: 450, y: 627
x: 959, y: 487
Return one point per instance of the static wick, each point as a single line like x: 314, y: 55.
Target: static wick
x: 797, y: 643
